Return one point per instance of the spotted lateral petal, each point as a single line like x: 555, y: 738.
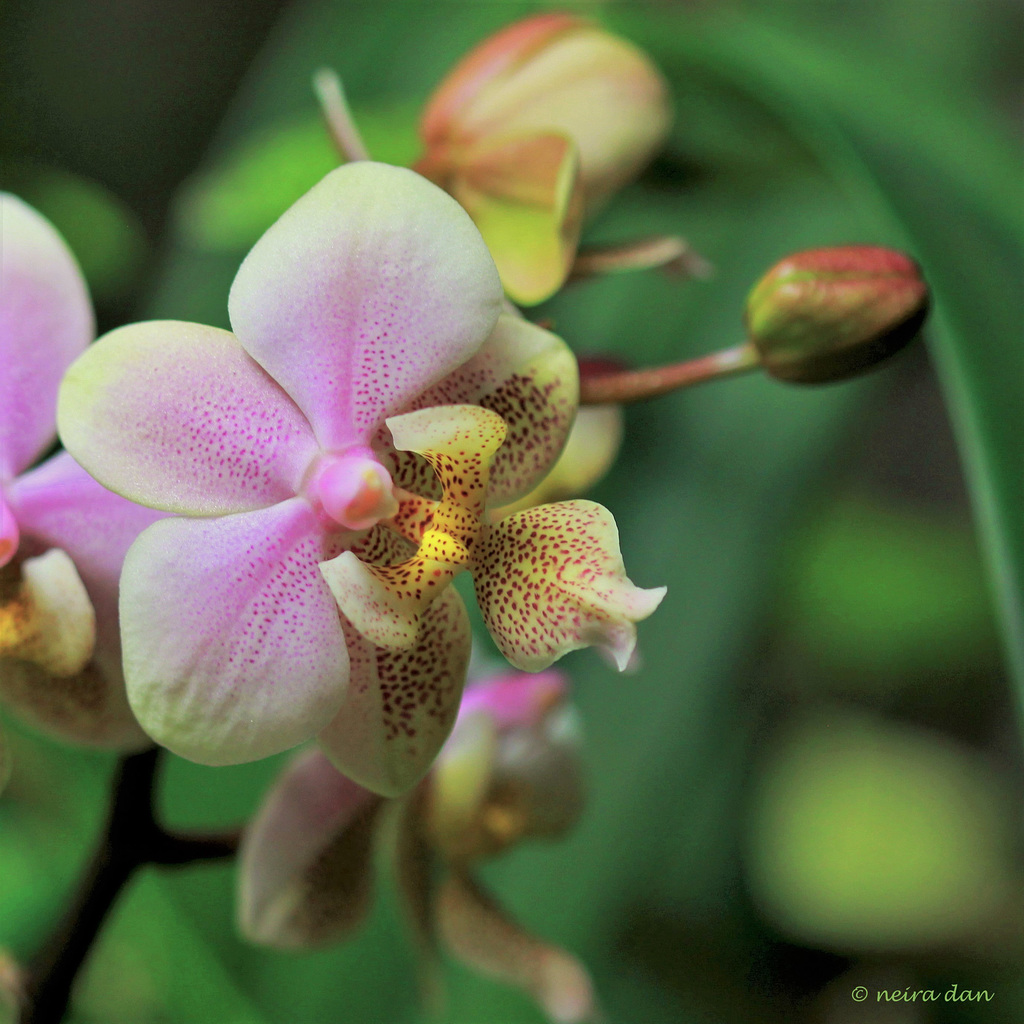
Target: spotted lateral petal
x: 550, y: 580
x: 401, y: 705
x: 480, y: 934
x: 529, y: 377
x: 382, y: 285
x: 305, y: 868
x: 385, y: 602
x: 177, y: 416
x: 233, y: 648
x: 45, y: 322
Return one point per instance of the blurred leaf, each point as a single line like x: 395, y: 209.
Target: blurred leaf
x: 105, y: 236
x: 233, y: 203
x: 888, y: 595
x: 871, y: 835
x: 151, y: 965
x: 942, y: 180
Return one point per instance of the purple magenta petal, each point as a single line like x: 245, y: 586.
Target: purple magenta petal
x: 369, y: 289
x: 177, y: 416
x: 45, y: 322
x: 233, y: 646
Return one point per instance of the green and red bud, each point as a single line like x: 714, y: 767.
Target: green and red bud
x: 827, y: 314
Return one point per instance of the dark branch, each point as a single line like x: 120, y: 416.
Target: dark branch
x: 132, y: 838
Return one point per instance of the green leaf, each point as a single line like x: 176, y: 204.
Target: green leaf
x: 940, y: 180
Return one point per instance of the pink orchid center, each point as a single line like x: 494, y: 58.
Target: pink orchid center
x: 8, y: 533
x: 354, y: 490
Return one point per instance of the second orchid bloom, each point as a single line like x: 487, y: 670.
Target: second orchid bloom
x: 339, y: 450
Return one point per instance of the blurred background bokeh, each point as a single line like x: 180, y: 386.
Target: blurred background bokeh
x: 813, y: 781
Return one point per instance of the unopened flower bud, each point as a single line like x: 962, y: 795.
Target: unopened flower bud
x: 537, y: 125
x: 510, y: 770
x: 826, y: 314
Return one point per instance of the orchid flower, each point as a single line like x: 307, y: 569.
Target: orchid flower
x: 368, y: 326
x: 510, y: 771
x: 63, y: 537
x: 534, y: 129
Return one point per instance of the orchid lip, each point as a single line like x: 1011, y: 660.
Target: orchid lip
x: 352, y: 489
x: 8, y: 533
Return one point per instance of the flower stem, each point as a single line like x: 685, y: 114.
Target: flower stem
x: 131, y: 839
x: 340, y: 123
x: 601, y: 387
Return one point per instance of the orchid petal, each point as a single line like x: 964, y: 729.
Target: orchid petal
x: 480, y: 934
x: 48, y: 678
x: 59, y: 505
x: 499, y: 57
x: 177, y: 416
x: 516, y: 700
x: 47, y: 619
x: 305, y: 869
x: 600, y: 89
x: 550, y: 580
x: 45, y: 322
x: 415, y: 870
x: 401, y: 705
x: 382, y: 285
x: 89, y: 708
x: 460, y: 782
x: 523, y: 193
x: 529, y: 377
x: 385, y: 602
x: 233, y: 647
x: 593, y: 444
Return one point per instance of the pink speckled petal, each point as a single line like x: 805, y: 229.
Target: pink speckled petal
x: 373, y: 286
x: 45, y: 322
x: 529, y: 377
x: 305, y: 869
x: 177, y: 416
x: 551, y: 580
x: 233, y: 647
x: 401, y: 705
x: 480, y: 934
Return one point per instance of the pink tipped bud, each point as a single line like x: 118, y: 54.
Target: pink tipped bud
x: 561, y: 73
x: 826, y: 314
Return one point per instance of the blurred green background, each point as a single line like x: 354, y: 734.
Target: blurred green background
x: 814, y: 780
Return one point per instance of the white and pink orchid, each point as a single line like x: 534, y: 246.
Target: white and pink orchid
x: 368, y: 327
x: 63, y: 537
x: 510, y: 771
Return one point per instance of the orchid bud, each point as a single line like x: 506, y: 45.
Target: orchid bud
x: 510, y: 770
x: 535, y: 127
x: 826, y: 314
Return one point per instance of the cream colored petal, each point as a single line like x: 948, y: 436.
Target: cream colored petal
x: 47, y: 618
x: 479, y: 933
x: 304, y: 866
